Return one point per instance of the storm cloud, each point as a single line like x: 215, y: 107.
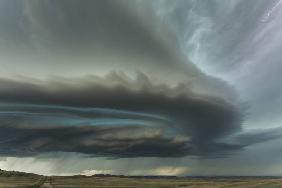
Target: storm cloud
x: 105, y: 65
x: 137, y: 80
x: 77, y: 115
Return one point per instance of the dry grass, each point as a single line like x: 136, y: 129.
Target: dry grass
x: 116, y: 182
x: 21, y: 182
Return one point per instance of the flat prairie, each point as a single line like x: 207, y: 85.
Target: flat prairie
x: 116, y: 182
x: 137, y: 182
x: 21, y: 182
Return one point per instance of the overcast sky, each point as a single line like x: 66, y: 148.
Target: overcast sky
x: 141, y: 87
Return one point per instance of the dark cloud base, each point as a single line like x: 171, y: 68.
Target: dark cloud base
x: 99, y: 118
x: 87, y: 140
x: 118, y: 117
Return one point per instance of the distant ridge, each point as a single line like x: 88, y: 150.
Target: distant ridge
x: 175, y: 177
x: 4, y: 173
x: 125, y: 176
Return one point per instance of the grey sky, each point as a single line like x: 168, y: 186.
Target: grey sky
x: 184, y: 87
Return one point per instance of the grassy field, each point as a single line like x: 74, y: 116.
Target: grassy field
x: 21, y: 182
x: 12, y: 179
x: 31, y: 181
x: 115, y: 182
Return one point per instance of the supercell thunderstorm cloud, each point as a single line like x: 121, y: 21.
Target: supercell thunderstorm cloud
x: 126, y: 86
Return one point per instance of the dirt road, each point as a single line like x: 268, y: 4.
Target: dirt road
x: 47, y: 184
